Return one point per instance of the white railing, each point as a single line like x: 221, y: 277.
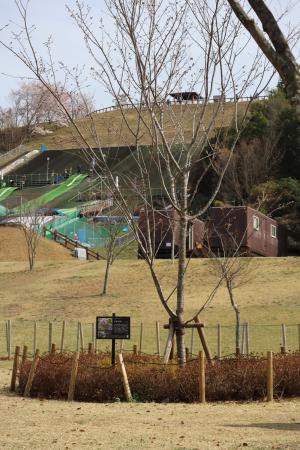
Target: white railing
x: 182, y: 102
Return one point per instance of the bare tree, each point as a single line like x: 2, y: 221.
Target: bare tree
x: 271, y: 40
x: 153, y: 46
x: 31, y: 221
x: 231, y: 265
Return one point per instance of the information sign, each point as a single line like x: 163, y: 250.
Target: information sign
x: 113, y: 327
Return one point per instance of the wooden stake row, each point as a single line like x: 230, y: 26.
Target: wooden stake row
x: 244, y: 349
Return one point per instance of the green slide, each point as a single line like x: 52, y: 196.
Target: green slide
x: 48, y: 197
x: 6, y: 192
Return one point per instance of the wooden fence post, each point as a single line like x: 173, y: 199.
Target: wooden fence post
x: 219, y: 342
x: 158, y: 339
x: 15, y: 369
x: 8, y: 338
x: 187, y: 353
x: 201, y: 377
x: 269, y: 376
x: 34, y: 337
x: 31, y: 373
x: 247, y: 337
x: 90, y: 347
x: 24, y: 355
x: 93, y: 336
x: 125, y: 379
x: 141, y: 338
x: 53, y: 349
x: 284, y: 345
x: 62, y: 341
x: 81, y: 337
x: 50, y: 336
x: 135, y: 349
x: 74, y: 370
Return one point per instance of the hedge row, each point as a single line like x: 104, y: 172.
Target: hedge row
x: 97, y: 381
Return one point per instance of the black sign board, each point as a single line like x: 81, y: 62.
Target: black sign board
x: 112, y: 327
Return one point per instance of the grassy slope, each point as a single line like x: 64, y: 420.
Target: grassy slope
x: 65, y: 290
x: 113, y: 132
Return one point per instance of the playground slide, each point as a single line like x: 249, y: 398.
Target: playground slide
x: 6, y: 192
x: 48, y: 197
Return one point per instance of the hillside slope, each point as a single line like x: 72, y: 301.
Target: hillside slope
x: 112, y: 131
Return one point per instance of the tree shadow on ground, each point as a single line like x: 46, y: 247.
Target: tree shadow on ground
x: 293, y: 426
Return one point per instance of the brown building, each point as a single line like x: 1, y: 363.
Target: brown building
x: 163, y: 228
x: 244, y: 227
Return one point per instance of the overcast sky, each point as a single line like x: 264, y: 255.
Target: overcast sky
x: 51, y: 18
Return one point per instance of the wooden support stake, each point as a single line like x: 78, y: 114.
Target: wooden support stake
x: 187, y: 353
x: 219, y: 341
x: 299, y: 337
x: 201, y: 377
x: 125, y: 379
x: 169, y: 344
x: 284, y: 345
x: 135, y: 349
x: 15, y: 369
x: 74, y: 370
x: 31, y: 373
x: 50, y: 336
x: 158, y: 339
x: 34, y: 337
x: 192, y: 340
x: 53, y: 349
x: 62, y: 340
x: 81, y: 337
x: 203, y: 341
x: 269, y: 376
x: 141, y: 338
x: 90, y: 348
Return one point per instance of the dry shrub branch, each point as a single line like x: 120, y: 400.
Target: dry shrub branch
x: 150, y: 380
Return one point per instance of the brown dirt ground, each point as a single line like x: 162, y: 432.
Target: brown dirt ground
x: 13, y: 247
x: 38, y: 424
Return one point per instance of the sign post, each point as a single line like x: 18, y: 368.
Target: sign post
x: 113, y: 327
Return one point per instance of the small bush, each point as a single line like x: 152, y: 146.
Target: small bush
x: 150, y: 380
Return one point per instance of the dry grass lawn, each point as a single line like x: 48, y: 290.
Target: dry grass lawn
x: 70, y: 290
x: 38, y: 424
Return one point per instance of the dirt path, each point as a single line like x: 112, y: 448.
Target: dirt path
x: 38, y: 424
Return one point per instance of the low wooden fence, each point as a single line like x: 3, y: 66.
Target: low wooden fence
x: 53, y: 363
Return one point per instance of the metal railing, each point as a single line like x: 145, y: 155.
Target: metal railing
x: 182, y: 102
x: 31, y: 179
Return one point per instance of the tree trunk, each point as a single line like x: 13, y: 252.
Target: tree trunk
x: 181, y: 275
x: 237, y: 318
x: 106, y: 275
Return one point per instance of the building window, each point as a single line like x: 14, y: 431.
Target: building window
x: 256, y: 223
x: 274, y: 231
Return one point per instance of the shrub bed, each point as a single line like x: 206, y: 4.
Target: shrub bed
x: 150, y: 380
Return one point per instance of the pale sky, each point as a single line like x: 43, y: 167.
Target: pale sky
x: 51, y: 18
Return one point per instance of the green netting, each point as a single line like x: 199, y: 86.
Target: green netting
x: 6, y: 192
x: 46, y: 198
